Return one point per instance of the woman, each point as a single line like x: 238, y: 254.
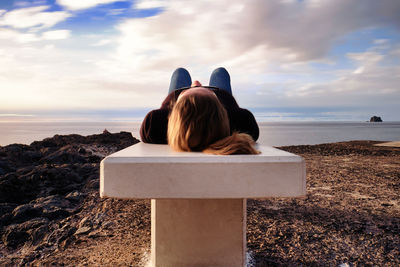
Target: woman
x: 201, y: 118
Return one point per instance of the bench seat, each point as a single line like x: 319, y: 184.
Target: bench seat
x: 157, y: 172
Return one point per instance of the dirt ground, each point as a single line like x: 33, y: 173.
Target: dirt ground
x: 350, y: 215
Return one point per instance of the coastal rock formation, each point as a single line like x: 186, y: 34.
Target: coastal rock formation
x: 375, y: 119
x: 43, y: 185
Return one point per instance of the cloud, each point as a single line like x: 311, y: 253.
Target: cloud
x: 8, y: 35
x: 258, y: 41
x: 56, y: 35
x: 32, y: 17
x: 82, y: 4
x: 222, y: 31
x: 102, y: 42
x: 50, y: 77
x: 369, y: 83
x: 148, y: 4
x: 29, y: 3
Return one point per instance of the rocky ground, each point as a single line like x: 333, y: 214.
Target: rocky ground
x: 51, y: 213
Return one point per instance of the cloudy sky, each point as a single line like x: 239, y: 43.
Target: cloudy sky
x: 288, y: 59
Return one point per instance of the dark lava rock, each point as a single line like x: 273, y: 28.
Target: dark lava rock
x: 61, y: 234
x: 17, y: 234
x: 375, y: 119
x: 6, y: 213
x: 53, y: 207
x: 63, y: 155
x: 45, y: 182
x: 17, y: 155
x: 4, y: 168
x: 42, y: 181
x: 75, y: 196
x: 6, y: 208
x: 121, y: 140
x: 26, y: 212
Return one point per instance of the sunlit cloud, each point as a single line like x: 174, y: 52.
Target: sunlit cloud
x: 82, y: 4
x: 147, y: 4
x: 272, y: 28
x: 32, y: 17
x: 102, y: 42
x: 56, y: 35
x: 25, y: 38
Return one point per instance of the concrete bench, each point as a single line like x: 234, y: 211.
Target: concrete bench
x: 198, y: 201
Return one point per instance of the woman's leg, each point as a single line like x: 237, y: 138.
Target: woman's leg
x: 220, y: 78
x: 180, y: 78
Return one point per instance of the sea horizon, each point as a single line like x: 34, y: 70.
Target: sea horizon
x: 273, y: 133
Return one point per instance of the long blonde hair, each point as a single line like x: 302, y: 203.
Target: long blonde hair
x: 199, y: 122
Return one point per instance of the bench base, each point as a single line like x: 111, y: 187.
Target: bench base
x: 198, y: 232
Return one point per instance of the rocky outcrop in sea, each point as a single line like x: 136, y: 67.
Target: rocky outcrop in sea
x: 375, y: 119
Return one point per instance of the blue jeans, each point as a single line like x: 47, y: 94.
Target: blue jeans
x: 219, y: 78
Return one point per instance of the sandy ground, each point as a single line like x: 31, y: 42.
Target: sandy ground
x: 391, y: 144
x: 351, y: 215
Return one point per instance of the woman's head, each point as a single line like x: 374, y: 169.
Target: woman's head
x: 199, y: 122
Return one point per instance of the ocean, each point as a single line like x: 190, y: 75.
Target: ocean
x: 271, y: 133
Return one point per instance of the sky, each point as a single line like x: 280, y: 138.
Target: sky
x: 112, y: 60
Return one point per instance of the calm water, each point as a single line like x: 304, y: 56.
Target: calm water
x: 271, y: 133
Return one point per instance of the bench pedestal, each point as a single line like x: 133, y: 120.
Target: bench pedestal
x: 198, y: 232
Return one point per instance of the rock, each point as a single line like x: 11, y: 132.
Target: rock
x: 28, y: 259
x: 64, y: 155
x: 375, y: 119
x: 17, y: 234
x: 5, y: 219
x: 7, y: 208
x: 18, y: 155
x: 4, y: 167
x: 38, y: 234
x: 42, y: 181
x: 95, y: 234
x: 43, y: 186
x: 99, y: 218
x: 108, y: 224
x: 83, y: 230
x: 93, y: 184
x: 52, y: 202
x: 85, y: 222
x: 75, y: 196
x: 61, y: 234
x: 15, y: 190
x: 12, y: 238
x: 26, y: 212
x: 122, y: 140
x: 53, y: 207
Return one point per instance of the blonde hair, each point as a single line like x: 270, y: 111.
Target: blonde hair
x: 199, y: 122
